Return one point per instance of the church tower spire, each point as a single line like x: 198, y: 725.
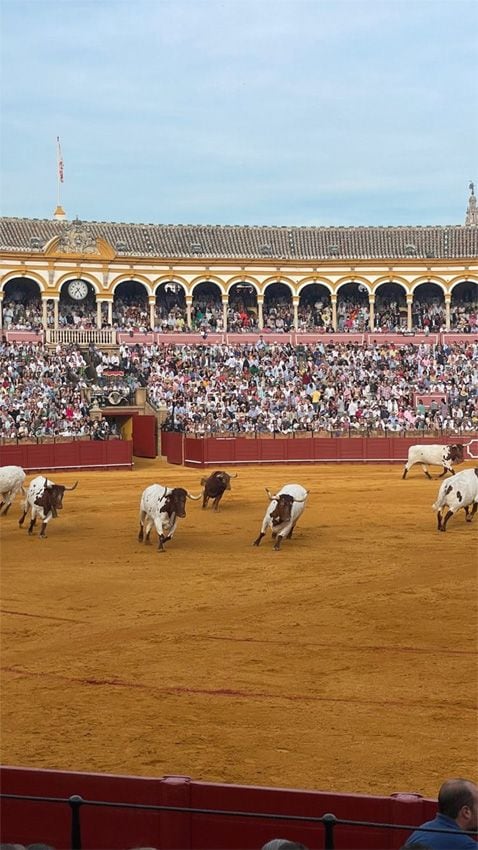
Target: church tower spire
x: 472, y: 211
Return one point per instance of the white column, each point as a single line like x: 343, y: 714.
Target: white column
x: 98, y: 313
x: 55, y: 313
x: 371, y: 308
x: 44, y: 312
x: 1, y: 309
x: 333, y: 299
x: 260, y: 313
x: 152, y: 306
x: 295, y: 307
x: 409, y: 312
x: 225, y: 301
x: 447, y: 312
x: 110, y: 312
x: 189, y: 304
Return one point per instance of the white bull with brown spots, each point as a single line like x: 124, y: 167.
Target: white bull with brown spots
x: 11, y: 482
x: 282, y: 515
x: 434, y: 455
x: 458, y: 492
x: 162, y: 507
x: 44, y: 499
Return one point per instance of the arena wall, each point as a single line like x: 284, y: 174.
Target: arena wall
x: 75, y: 454
x: 217, y: 451
x: 122, y: 825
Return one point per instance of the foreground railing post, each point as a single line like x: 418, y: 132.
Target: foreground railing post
x: 329, y: 822
x: 75, y: 803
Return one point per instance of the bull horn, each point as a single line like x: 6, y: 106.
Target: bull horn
x: 301, y: 500
x: 271, y: 497
x: 190, y: 496
x: 75, y: 485
x: 234, y: 476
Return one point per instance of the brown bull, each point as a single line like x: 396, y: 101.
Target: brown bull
x: 215, y: 486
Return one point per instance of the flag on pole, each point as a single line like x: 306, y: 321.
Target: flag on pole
x: 60, y: 161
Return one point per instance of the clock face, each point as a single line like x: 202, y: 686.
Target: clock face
x: 78, y: 289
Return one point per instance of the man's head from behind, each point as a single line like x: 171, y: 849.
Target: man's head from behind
x: 458, y: 799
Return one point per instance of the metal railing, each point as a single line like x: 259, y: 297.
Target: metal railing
x: 328, y: 822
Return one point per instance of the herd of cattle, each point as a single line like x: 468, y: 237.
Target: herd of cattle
x: 161, y: 506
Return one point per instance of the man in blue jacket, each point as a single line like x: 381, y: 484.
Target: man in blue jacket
x: 458, y: 812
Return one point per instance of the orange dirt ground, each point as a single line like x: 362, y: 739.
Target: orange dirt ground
x: 345, y: 662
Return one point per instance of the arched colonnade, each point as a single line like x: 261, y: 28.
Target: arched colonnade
x: 241, y: 303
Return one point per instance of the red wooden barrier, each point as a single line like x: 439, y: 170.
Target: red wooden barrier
x: 26, y: 822
x: 220, y: 451
x: 78, y: 454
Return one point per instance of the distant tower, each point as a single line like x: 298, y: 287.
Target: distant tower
x: 472, y: 211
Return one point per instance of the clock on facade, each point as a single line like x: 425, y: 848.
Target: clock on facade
x: 77, y: 289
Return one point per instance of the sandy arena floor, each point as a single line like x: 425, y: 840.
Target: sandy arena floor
x: 345, y: 662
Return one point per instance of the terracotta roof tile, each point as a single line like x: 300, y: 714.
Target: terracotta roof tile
x: 169, y: 241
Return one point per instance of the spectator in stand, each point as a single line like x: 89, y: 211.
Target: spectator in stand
x: 247, y: 388
x: 207, y: 315
x: 315, y: 315
x: 457, y: 813
x: 76, y: 314
x: 278, y: 316
x: 22, y: 315
x: 130, y: 313
x: 464, y: 317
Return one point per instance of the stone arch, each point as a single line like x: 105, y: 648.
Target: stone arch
x: 242, y: 313
x: 79, y: 275
x: 390, y: 307
x: 351, y: 279
x: 464, y: 305
x: 285, y: 281
x: 322, y: 281
x: 22, y: 273
x: 77, y: 313
x: 432, y: 279
x: 207, y: 313
x: 207, y: 279
x: 278, y: 311
x: 130, y: 302
x: 170, y: 312
x: 353, y: 305
x: 170, y: 278
x: 22, y: 303
x: 130, y: 278
x: 428, y: 306
x: 315, y: 306
x: 468, y: 278
x: 391, y: 278
x: 243, y: 278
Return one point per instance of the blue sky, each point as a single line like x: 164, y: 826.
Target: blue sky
x: 279, y: 112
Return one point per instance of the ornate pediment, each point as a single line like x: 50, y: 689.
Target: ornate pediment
x: 77, y: 238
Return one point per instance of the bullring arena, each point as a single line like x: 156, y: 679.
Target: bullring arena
x: 345, y: 662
